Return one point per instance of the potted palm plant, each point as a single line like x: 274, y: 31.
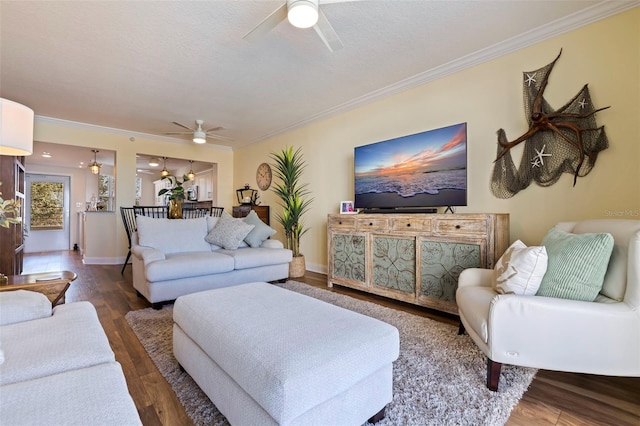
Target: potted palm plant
x: 288, y: 167
x: 176, y: 195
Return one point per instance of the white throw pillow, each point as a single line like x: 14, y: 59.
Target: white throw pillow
x: 520, y: 269
x: 228, y: 232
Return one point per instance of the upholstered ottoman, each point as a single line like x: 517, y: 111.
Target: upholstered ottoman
x: 265, y: 355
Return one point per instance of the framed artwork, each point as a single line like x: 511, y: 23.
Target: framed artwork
x: 346, y: 207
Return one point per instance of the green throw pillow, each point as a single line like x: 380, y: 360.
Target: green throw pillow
x: 260, y: 232
x: 576, y: 266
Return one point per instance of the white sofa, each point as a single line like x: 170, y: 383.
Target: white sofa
x: 56, y: 366
x: 172, y: 257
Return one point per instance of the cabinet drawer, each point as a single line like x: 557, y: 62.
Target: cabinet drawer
x: 376, y: 224
x: 342, y: 222
x: 461, y: 226
x: 406, y: 224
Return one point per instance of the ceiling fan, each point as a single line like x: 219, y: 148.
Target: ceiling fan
x: 301, y: 14
x: 199, y: 134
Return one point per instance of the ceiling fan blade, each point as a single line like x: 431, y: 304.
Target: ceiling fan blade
x: 269, y: 23
x: 214, y: 129
x: 179, y: 133
x: 182, y: 125
x: 221, y: 138
x: 326, y: 33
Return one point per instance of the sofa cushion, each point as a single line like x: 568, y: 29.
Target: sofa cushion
x: 22, y: 305
x: 577, y: 264
x: 180, y: 265
x: 228, y: 232
x: 246, y: 258
x: 260, y: 232
x: 173, y: 235
x: 94, y: 396
x: 520, y: 269
x: 70, y: 339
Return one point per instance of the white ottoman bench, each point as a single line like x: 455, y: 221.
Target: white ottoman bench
x: 265, y: 355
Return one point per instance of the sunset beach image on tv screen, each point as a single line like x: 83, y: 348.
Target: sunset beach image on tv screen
x: 419, y: 170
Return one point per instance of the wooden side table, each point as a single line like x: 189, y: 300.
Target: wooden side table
x: 52, y: 284
x: 244, y: 209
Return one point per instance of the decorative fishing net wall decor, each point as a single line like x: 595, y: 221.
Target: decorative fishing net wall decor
x: 566, y: 140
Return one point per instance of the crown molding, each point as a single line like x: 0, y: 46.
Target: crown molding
x: 552, y: 29
x: 127, y: 133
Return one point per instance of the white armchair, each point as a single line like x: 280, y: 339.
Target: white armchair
x: 600, y: 337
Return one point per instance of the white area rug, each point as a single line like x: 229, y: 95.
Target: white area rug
x: 439, y: 378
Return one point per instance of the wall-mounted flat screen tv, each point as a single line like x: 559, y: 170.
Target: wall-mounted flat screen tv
x: 423, y: 170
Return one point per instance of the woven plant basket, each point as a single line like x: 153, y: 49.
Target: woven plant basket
x: 297, y: 267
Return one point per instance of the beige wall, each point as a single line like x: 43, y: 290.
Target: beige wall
x: 488, y: 97
x: 125, y: 173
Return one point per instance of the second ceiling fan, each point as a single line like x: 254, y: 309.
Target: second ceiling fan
x: 301, y: 14
x: 199, y: 134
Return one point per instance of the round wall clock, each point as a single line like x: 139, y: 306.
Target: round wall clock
x: 264, y: 176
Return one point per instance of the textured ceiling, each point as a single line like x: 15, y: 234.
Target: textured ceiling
x: 140, y: 65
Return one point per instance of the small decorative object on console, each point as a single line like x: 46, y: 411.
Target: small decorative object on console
x: 247, y: 195
x: 346, y: 207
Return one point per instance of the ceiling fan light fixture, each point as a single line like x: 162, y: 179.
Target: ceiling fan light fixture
x: 302, y: 13
x: 154, y: 162
x: 199, y: 136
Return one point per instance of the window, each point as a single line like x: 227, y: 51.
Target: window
x: 106, y: 193
x: 47, y: 203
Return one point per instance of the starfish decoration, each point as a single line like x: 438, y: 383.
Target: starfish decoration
x: 568, y: 135
x: 565, y: 126
x: 538, y: 158
x: 531, y: 78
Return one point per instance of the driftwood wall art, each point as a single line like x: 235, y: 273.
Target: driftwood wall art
x: 566, y: 140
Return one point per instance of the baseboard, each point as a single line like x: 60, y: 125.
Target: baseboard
x: 315, y: 267
x: 103, y: 260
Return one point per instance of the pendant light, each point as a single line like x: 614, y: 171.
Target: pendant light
x: 191, y: 175
x: 164, y: 171
x: 16, y: 128
x: 95, y: 166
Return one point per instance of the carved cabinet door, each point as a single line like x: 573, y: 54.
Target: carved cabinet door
x: 393, y: 264
x: 442, y: 261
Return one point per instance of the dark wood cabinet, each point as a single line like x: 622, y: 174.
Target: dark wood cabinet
x: 196, y: 204
x: 12, y: 176
x: 244, y: 209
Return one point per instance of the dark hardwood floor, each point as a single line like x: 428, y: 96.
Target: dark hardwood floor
x: 553, y: 398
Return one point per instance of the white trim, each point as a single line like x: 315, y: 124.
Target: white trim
x: 102, y: 260
x: 315, y: 267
